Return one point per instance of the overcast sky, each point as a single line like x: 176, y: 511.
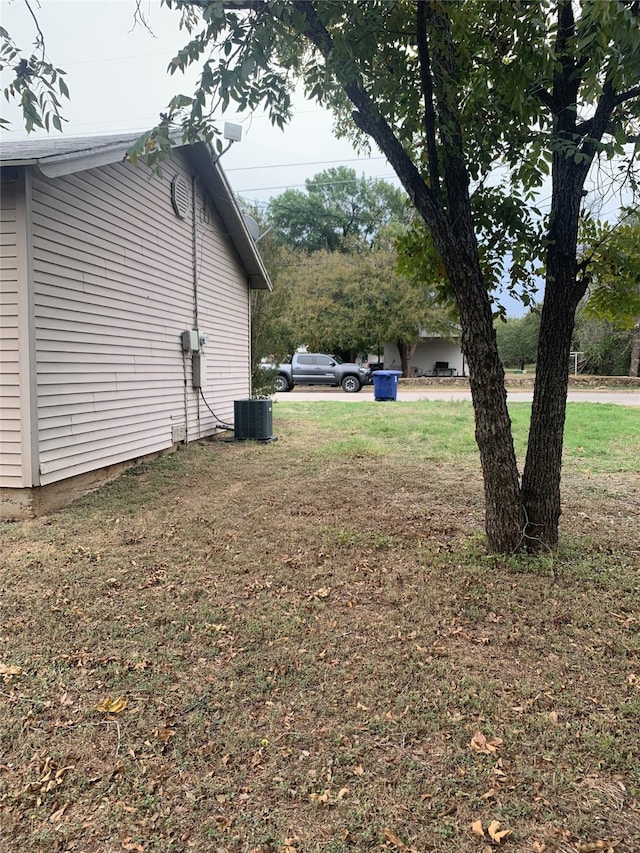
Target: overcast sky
x: 118, y: 81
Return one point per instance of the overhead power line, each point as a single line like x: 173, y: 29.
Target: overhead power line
x: 315, y: 183
x: 308, y: 163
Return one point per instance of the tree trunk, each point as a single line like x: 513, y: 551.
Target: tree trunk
x: 563, y: 291
x: 452, y: 229
x: 504, y: 519
x: 634, y: 368
x: 406, y: 354
x: 542, y: 470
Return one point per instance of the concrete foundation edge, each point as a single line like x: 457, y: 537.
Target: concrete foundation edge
x: 26, y: 503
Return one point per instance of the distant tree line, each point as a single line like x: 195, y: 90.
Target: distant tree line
x: 607, y: 327
x: 346, y: 279
x: 605, y: 348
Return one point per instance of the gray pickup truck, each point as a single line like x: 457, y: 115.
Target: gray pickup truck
x: 320, y: 369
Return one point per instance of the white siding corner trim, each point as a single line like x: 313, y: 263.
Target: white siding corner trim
x: 18, y: 433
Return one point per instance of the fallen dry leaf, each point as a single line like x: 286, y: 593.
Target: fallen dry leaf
x: 476, y: 827
x: 495, y: 833
x: 112, y: 706
x: 164, y: 734
x: 320, y: 798
x: 322, y: 592
x: 55, y: 817
x: 392, y: 838
x: 8, y: 672
x: 128, y: 844
x: 484, y: 745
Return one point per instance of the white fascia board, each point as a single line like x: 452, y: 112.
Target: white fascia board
x: 67, y: 164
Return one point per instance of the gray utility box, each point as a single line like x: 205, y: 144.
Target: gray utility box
x: 253, y: 419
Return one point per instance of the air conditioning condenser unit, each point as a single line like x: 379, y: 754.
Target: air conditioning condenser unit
x: 253, y: 420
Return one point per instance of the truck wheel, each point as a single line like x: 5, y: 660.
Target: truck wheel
x: 351, y: 384
x: 281, y: 383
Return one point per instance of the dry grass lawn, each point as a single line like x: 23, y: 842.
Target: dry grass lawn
x: 301, y: 646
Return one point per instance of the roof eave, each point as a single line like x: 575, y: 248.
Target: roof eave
x: 205, y: 163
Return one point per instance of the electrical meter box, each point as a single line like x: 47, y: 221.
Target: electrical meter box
x: 198, y: 370
x: 190, y: 340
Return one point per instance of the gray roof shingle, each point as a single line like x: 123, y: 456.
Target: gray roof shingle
x: 39, y: 149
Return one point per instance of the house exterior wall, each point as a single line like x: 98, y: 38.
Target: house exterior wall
x: 113, y: 288
x: 427, y: 352
x: 223, y: 315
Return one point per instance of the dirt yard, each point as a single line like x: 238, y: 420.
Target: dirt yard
x: 282, y: 648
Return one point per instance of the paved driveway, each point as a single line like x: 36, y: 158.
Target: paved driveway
x: 306, y: 394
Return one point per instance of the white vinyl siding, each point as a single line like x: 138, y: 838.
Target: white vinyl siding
x: 113, y: 290
x: 11, y: 467
x: 223, y: 314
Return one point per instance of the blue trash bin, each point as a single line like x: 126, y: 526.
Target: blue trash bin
x: 385, y: 384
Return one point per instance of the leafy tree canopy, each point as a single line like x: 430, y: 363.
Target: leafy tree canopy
x: 36, y: 83
x: 613, y: 257
x: 355, y: 302
x: 507, y: 63
x: 336, y: 207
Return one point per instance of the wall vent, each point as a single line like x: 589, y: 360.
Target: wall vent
x: 178, y: 433
x: 180, y: 196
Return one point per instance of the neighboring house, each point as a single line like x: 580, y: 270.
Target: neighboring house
x: 104, y: 266
x: 434, y: 355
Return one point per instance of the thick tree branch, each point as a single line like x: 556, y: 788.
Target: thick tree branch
x: 566, y: 79
x: 626, y: 96
x: 600, y: 120
x: 445, y: 76
x: 584, y: 128
x: 547, y: 99
x: 368, y: 119
x: 427, y: 89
